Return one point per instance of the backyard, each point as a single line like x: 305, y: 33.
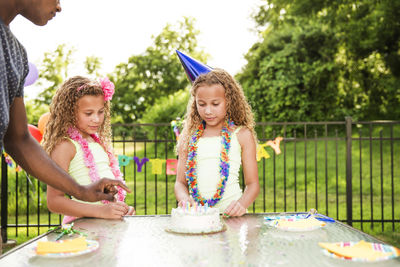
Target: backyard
x: 310, y: 172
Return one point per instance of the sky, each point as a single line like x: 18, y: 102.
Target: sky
x: 114, y: 30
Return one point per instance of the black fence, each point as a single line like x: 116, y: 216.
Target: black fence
x: 347, y: 170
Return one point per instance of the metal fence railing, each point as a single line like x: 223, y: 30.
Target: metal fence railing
x: 347, y: 170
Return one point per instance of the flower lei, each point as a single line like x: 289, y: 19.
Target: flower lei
x: 91, y: 165
x: 191, y: 164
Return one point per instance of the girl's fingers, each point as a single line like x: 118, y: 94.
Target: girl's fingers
x: 235, y: 211
x: 131, y: 211
x: 118, y: 214
x: 238, y: 209
x: 228, y: 210
x: 122, y: 206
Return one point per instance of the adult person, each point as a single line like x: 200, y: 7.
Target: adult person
x: 14, y: 134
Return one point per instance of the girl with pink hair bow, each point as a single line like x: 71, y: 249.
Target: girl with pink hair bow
x: 77, y: 137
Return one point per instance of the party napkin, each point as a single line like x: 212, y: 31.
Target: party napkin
x: 63, y: 246
x: 361, y: 250
x: 300, y: 224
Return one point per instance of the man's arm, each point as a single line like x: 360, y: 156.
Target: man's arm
x: 24, y: 149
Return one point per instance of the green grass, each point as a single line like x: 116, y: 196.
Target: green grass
x: 301, y: 167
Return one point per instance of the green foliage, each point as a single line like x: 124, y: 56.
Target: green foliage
x: 53, y: 71
x: 167, y: 108
x: 34, y: 111
x: 92, y: 65
x: 323, y: 60
x: 153, y: 74
x: 290, y: 75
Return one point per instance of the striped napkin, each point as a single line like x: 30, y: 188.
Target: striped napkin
x: 361, y: 250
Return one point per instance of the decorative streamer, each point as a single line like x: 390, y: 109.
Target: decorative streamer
x: 175, y: 128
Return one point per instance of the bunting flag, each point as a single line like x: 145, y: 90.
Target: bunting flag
x: 156, y: 165
x: 275, y: 145
x: 175, y: 128
x: 124, y: 160
x: 172, y: 165
x: 140, y: 163
x: 10, y: 162
x: 261, y: 153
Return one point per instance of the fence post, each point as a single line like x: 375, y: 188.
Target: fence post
x: 4, y: 198
x: 349, y: 173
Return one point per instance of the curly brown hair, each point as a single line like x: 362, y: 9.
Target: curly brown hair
x: 63, y: 110
x: 237, y: 107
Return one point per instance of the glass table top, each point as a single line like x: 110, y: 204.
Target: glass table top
x: 247, y: 241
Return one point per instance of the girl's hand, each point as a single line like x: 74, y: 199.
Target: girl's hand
x: 131, y: 211
x: 183, y: 202
x: 113, y: 210
x: 234, y: 209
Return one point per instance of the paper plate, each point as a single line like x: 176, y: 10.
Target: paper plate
x: 92, y: 245
x: 274, y: 224
x: 375, y: 246
x: 223, y: 228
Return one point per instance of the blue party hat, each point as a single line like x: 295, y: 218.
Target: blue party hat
x: 193, y: 68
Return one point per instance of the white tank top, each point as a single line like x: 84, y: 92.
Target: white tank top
x: 208, y: 176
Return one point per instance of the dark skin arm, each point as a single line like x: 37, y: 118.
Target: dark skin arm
x: 27, y: 152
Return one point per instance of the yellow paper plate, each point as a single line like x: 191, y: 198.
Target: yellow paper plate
x: 92, y: 245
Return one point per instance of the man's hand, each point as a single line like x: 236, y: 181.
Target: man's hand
x: 101, y: 190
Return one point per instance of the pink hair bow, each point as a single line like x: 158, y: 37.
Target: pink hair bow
x: 108, y: 88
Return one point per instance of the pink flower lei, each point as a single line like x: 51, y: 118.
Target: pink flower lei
x: 91, y: 165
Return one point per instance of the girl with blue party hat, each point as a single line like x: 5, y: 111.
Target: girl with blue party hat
x: 217, y: 138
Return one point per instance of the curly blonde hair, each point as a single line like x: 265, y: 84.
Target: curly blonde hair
x: 63, y: 109
x: 237, y: 107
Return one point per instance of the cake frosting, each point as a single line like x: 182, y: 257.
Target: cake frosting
x: 198, y: 219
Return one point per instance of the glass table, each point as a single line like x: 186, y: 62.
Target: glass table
x: 247, y: 241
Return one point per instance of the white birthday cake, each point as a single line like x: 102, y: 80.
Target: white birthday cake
x: 195, y: 220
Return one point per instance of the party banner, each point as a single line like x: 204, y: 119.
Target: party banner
x: 156, y: 165
x: 275, y: 145
x: 172, y: 165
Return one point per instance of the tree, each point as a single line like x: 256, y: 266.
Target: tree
x: 290, y: 76
x: 155, y: 73
x: 53, y: 71
x: 33, y: 112
x: 348, y: 49
x: 92, y: 65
